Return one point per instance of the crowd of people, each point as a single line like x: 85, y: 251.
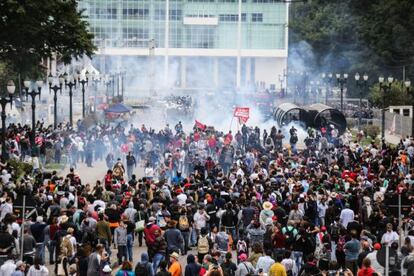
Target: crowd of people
x: 254, y: 202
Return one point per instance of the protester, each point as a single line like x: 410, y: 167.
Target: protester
x: 292, y: 208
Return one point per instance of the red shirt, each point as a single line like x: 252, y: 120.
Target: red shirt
x: 366, y: 271
x: 149, y: 231
x: 196, y: 137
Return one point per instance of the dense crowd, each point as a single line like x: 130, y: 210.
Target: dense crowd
x: 235, y: 204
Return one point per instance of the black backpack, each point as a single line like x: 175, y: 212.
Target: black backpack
x: 227, y: 271
x: 142, y: 269
x: 290, y: 237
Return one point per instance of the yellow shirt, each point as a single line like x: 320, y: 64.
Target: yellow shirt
x: 175, y: 269
x: 277, y: 269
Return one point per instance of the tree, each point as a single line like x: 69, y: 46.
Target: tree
x: 366, y: 36
x: 397, y: 95
x: 35, y: 29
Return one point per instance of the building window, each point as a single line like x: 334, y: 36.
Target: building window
x: 136, y: 37
x: 200, y: 37
x: 257, y: 17
x: 159, y: 14
x: 200, y: 15
x: 232, y: 17
x: 175, y: 15
x: 106, y: 13
x: 266, y: 1
x: 201, y: 1
x: 135, y: 13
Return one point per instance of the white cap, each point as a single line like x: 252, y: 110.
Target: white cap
x: 106, y: 269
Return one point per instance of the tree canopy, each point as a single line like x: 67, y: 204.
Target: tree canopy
x: 35, y: 29
x: 366, y: 36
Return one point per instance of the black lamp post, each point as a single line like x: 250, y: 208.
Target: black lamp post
x: 4, y: 100
x: 107, y: 82
x: 70, y: 81
x: 55, y: 88
x: 342, y: 81
x: 33, y: 93
x: 96, y: 80
x: 122, y: 84
x: 361, y: 84
x: 83, y: 80
x: 407, y: 84
x: 113, y: 85
x: 327, y: 79
x: 385, y: 87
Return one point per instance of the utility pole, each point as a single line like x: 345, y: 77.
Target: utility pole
x: 151, y: 49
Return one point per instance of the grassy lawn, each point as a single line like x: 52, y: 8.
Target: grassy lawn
x: 367, y: 140
x: 54, y: 166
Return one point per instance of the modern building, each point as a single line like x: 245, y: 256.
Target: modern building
x: 192, y: 44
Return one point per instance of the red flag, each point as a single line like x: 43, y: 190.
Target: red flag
x: 200, y: 125
x: 243, y: 113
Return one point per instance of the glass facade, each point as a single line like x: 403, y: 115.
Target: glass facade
x: 132, y: 23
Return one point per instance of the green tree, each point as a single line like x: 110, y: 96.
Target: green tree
x: 33, y: 30
x: 396, y: 95
x: 366, y: 36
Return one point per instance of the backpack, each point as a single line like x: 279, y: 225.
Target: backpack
x: 226, y: 268
x: 222, y: 240
x: 290, y: 237
x: 335, y: 231
x: 241, y: 247
x: 66, y: 247
x: 183, y: 224
x: 203, y: 246
x: 142, y: 269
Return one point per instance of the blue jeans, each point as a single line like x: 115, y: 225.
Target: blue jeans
x: 122, y: 253
x: 232, y: 232
x: 193, y: 237
x: 51, y: 245
x: 130, y: 169
x: 186, y: 237
x: 107, y: 246
x: 297, y: 256
x: 40, y: 251
x: 156, y: 261
x: 130, y: 243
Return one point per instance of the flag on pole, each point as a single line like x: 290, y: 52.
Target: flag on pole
x: 242, y: 113
x: 200, y: 125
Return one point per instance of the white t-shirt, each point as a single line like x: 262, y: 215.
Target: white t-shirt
x: 389, y: 237
x: 7, y: 268
x: 347, y: 215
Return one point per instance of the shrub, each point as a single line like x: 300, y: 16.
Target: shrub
x: 20, y: 168
x: 371, y: 131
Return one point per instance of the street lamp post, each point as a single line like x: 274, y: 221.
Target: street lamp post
x: 385, y: 87
x: 122, y: 84
x: 361, y: 84
x: 70, y: 81
x: 55, y: 88
x: 83, y: 80
x: 96, y: 80
x: 407, y: 84
x: 4, y: 100
x: 327, y: 79
x: 33, y: 93
x: 113, y: 85
x: 342, y: 81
